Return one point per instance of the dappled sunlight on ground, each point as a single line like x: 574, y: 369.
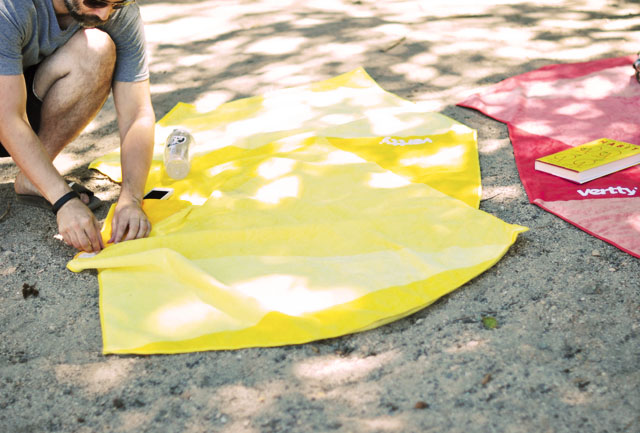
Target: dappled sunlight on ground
x: 243, y: 400
x: 504, y: 193
x: 97, y: 377
x: 65, y: 162
x: 275, y: 45
x: 423, y: 52
x: 238, y: 50
x: 492, y: 145
x: 383, y: 424
x: 336, y: 370
x: 564, y: 357
x: 576, y: 397
x: 466, y: 346
x: 135, y: 420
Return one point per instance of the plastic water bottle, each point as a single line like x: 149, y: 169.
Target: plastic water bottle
x: 176, y: 153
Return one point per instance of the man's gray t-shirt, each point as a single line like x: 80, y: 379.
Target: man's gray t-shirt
x: 29, y: 32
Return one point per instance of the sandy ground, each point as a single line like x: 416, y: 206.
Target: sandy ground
x: 565, y: 354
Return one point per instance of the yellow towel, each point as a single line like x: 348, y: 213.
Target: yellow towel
x: 308, y: 213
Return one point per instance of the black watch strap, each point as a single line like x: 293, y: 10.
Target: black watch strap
x: 63, y: 200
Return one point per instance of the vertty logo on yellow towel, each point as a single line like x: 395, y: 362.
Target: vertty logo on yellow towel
x: 400, y: 142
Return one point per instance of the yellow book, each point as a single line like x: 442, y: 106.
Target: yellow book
x: 590, y: 160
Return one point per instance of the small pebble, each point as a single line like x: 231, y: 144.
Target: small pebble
x: 421, y: 405
x: 595, y: 253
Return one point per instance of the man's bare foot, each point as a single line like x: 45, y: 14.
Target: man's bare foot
x: 22, y: 185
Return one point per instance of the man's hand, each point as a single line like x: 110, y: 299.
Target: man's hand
x: 79, y: 227
x: 136, y: 122
x: 129, y: 221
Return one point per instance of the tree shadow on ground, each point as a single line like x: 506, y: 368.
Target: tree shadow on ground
x: 538, y: 368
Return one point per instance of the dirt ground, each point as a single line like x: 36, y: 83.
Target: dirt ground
x: 564, y: 357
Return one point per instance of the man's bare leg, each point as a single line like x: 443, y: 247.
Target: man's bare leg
x: 73, y: 84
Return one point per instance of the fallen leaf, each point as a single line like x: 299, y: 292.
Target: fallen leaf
x: 29, y: 290
x: 489, y: 322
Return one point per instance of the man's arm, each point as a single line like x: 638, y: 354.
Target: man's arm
x: 76, y: 222
x: 136, y: 122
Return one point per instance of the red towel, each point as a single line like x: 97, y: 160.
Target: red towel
x: 561, y: 106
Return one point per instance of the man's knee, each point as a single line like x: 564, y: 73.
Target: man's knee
x: 90, y: 51
x: 96, y: 51
x: 88, y: 58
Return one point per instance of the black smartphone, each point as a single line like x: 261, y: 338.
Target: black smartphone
x: 158, y: 194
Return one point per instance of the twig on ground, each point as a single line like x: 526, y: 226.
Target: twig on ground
x: 490, y: 198
x: 6, y: 212
x: 393, y: 45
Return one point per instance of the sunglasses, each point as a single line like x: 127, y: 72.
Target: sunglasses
x: 636, y: 66
x: 99, y: 4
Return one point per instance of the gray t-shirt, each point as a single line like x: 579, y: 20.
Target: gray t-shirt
x: 29, y: 32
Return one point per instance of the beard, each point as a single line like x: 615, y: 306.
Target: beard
x: 85, y: 20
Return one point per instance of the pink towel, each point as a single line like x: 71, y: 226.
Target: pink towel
x: 561, y: 106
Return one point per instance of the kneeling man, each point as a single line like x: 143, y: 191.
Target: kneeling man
x: 59, y: 59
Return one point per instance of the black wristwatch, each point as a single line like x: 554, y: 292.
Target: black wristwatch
x: 63, y: 200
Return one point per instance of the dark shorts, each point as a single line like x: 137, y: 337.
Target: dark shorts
x: 34, y: 105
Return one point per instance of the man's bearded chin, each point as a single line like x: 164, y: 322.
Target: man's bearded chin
x: 84, y: 20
